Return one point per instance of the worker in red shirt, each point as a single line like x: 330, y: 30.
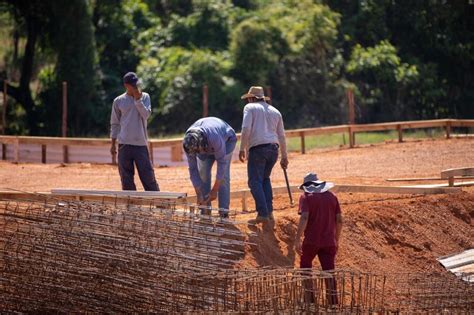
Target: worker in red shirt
x: 321, y: 222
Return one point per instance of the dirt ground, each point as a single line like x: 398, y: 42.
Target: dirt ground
x: 382, y: 232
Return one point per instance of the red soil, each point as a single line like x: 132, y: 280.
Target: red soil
x: 382, y: 233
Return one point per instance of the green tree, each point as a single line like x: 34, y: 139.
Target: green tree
x: 117, y: 26
x: 175, y: 80
x: 256, y: 49
x: 384, y: 80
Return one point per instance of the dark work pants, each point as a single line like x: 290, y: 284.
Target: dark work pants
x: 128, y: 157
x: 327, y: 259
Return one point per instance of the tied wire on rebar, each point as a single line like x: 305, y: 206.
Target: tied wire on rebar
x: 74, y: 256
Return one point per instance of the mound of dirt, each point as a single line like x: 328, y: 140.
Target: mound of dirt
x: 381, y: 233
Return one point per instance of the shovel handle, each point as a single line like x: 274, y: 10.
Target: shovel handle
x: 288, y: 186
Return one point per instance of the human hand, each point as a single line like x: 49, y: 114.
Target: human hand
x: 212, y: 196
x: 199, y: 197
x: 298, y: 247
x: 284, y: 163
x: 113, y: 150
x: 242, y: 156
x: 137, y: 94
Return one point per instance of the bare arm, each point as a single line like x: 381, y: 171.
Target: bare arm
x: 282, y: 142
x: 244, y: 142
x: 301, y: 228
x: 338, y: 227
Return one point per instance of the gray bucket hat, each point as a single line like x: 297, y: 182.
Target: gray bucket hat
x: 312, y: 184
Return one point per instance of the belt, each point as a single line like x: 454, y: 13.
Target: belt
x: 264, y: 145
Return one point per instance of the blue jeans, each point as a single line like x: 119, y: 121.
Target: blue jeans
x: 205, y: 162
x: 261, y: 160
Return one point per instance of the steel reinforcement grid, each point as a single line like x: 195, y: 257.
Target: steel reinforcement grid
x: 84, y: 257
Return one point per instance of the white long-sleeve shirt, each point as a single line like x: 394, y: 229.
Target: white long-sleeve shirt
x: 128, y: 121
x: 262, y: 124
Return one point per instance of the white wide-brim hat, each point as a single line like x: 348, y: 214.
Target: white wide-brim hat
x: 312, y: 184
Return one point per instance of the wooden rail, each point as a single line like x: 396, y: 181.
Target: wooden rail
x: 245, y: 193
x: 450, y: 174
x: 176, y: 148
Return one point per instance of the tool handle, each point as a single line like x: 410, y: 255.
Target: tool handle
x: 288, y: 186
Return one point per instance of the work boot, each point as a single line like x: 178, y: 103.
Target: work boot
x: 259, y: 219
x: 224, y: 213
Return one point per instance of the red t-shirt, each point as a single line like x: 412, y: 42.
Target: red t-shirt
x: 322, y: 208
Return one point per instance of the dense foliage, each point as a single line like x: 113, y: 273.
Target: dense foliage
x: 403, y: 59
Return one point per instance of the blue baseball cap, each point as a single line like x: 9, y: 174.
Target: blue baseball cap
x: 131, y: 78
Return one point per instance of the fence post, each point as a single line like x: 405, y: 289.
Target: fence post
x: 16, y: 150
x: 177, y: 153
x: 448, y: 129
x: 64, y: 123
x: 350, y: 103
x: 4, y: 111
x: 43, y: 153
x: 400, y: 133
x: 303, y: 145
x: 269, y: 94
x: 351, y: 137
x: 205, y: 101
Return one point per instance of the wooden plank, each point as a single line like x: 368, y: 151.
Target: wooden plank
x: 424, y: 124
x: 462, y: 122
x: 122, y: 193
x: 8, y: 139
x: 374, y: 127
x: 409, y: 190
x: 396, y: 189
x: 416, y: 179
x: 458, y: 184
x: 316, y: 131
x: 462, y: 171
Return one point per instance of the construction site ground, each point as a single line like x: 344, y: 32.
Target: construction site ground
x: 382, y: 232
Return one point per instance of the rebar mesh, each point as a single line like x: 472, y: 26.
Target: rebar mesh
x: 75, y: 257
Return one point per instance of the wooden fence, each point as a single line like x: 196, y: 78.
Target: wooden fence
x: 176, y: 144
